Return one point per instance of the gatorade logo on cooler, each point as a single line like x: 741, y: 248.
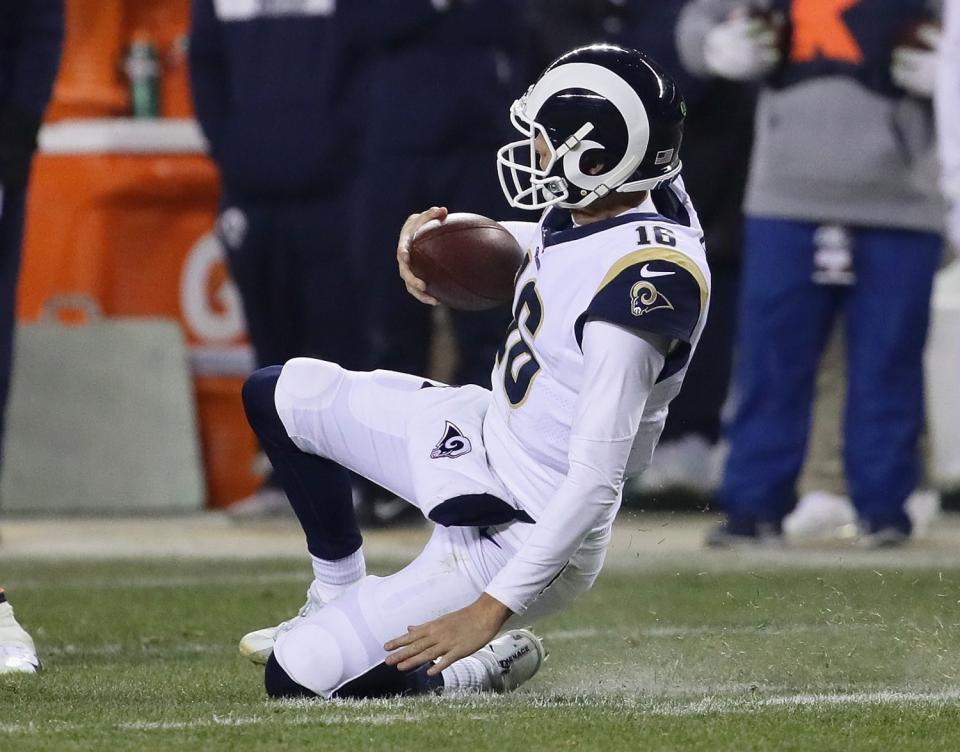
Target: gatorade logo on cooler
x: 208, y: 297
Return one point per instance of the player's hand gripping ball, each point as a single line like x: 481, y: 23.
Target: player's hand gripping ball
x: 465, y: 261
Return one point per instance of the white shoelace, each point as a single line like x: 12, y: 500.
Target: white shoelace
x: 308, y: 608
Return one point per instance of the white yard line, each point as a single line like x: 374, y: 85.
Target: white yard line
x: 112, y: 649
x: 200, y: 579
x: 699, y: 630
x: 726, y: 706
x: 385, y: 713
x: 300, y: 720
x: 319, y: 718
x: 178, y: 725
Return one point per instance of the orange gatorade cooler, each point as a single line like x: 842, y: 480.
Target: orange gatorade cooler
x: 121, y: 211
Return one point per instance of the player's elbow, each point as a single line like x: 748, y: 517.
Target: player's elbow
x: 599, y: 486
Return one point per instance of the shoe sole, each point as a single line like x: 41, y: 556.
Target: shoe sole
x: 254, y: 653
x: 542, y: 655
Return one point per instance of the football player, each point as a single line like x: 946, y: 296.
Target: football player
x: 522, y: 482
x: 17, y: 651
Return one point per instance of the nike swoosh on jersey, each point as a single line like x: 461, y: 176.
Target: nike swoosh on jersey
x: 648, y: 273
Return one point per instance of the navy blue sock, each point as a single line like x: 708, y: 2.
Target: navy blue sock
x: 388, y: 681
x: 319, y: 489
x: 380, y: 681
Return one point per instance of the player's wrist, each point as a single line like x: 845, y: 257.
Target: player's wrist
x: 492, y: 610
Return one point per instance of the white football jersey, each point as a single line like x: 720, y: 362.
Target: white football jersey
x: 644, y: 270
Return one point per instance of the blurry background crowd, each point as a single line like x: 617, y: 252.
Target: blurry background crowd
x: 219, y: 185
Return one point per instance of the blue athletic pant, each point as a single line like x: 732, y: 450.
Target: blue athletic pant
x: 784, y: 323
x: 298, y: 279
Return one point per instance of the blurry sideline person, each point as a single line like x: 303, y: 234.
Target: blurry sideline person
x: 266, y: 81
x: 429, y: 79
x: 824, y: 509
x: 948, y: 118
x: 842, y: 221
x: 716, y: 141
x: 31, y: 38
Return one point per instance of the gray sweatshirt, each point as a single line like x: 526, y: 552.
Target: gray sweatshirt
x: 836, y: 141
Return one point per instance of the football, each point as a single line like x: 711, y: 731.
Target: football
x: 468, y: 261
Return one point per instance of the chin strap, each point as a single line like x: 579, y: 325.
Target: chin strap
x: 650, y: 184
x: 637, y: 186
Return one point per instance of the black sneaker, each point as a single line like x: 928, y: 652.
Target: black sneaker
x: 740, y: 531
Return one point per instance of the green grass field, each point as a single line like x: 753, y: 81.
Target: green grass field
x: 140, y: 655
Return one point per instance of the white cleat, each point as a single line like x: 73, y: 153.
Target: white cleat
x: 265, y: 504
x: 258, y: 645
x: 15, y: 659
x: 689, y: 463
x: 512, y: 659
x: 17, y: 651
x: 821, y: 515
x: 923, y: 507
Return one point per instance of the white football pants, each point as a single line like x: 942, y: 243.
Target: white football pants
x: 361, y: 421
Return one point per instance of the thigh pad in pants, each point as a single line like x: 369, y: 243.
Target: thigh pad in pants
x: 422, y: 442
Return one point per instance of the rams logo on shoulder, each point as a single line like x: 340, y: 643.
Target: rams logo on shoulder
x: 453, y: 443
x: 645, y: 297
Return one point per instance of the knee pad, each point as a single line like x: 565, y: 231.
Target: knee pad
x: 311, y: 657
x: 258, y: 394
x: 311, y: 381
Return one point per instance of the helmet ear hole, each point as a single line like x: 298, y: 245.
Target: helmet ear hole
x: 593, y: 162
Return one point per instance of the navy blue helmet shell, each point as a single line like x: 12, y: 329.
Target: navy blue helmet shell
x: 611, y: 119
